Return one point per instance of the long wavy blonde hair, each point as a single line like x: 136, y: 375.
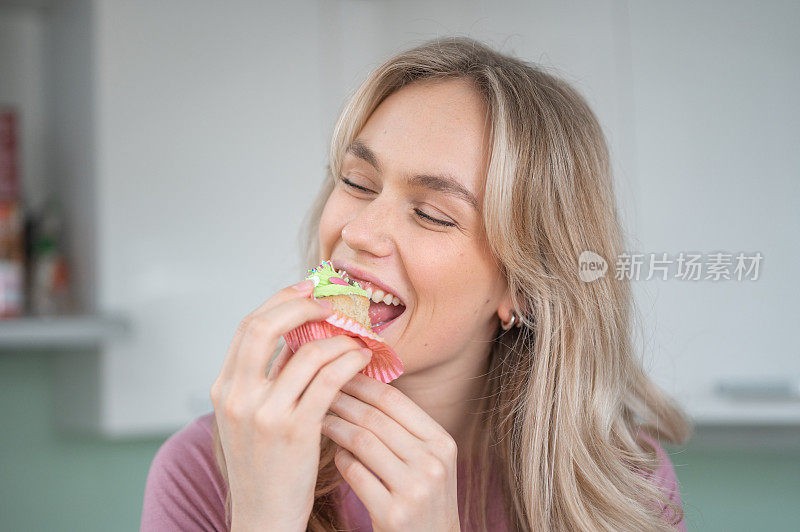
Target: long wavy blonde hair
x: 566, y: 399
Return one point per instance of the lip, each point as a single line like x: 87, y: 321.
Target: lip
x: 357, y: 275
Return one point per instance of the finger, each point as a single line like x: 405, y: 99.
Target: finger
x: 394, y: 404
x: 371, y: 491
x: 368, y: 448
x: 300, y: 290
x: 262, y: 334
x: 280, y: 361
x: 327, y: 382
x: 331, y: 361
x: 401, y: 442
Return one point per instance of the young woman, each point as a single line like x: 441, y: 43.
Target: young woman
x: 467, y: 183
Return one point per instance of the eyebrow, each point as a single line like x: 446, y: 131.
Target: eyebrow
x: 439, y: 183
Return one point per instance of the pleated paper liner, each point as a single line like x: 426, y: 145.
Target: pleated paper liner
x: 384, y: 366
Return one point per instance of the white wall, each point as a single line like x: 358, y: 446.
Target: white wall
x: 211, y: 141
x: 200, y: 132
x: 717, y: 130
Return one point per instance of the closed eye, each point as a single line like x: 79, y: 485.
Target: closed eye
x: 417, y: 211
x: 351, y: 184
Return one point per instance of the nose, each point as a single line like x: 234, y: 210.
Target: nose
x: 368, y: 229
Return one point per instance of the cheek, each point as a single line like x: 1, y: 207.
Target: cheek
x: 453, y: 283
x: 443, y: 269
x: 454, y: 295
x: 331, y: 223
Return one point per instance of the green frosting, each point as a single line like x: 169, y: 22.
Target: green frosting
x: 324, y: 287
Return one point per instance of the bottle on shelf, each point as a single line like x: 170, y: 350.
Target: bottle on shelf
x: 12, y: 244
x: 50, y: 290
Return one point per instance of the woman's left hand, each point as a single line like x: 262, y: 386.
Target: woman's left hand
x: 380, y: 428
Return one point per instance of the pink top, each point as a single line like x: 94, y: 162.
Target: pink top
x: 185, y: 490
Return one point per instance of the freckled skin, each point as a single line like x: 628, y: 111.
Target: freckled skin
x: 452, y: 288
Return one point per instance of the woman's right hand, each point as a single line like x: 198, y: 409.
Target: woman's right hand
x: 270, y: 425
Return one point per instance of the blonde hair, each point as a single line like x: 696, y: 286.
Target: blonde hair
x: 566, y: 399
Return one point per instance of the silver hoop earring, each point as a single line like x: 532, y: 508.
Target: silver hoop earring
x: 506, y: 325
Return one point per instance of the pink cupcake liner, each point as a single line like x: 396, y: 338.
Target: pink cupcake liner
x: 384, y: 366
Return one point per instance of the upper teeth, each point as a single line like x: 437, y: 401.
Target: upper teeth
x: 377, y: 295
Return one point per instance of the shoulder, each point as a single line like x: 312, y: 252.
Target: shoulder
x: 185, y: 489
x: 664, y: 477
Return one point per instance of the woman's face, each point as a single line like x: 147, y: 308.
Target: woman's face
x: 421, y: 236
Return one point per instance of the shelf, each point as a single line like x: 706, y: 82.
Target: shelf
x: 60, y: 331
x: 712, y: 410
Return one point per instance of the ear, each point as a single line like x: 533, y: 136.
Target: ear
x: 506, y: 306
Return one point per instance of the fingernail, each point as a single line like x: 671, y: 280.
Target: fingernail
x: 302, y: 286
x: 366, y: 351
x: 325, y: 303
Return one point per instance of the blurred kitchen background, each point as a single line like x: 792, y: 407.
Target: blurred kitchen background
x: 157, y: 158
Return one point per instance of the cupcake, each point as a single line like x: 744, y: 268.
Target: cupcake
x: 351, y: 317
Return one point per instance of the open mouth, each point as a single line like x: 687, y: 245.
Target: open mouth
x: 381, y: 314
x: 384, y: 308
